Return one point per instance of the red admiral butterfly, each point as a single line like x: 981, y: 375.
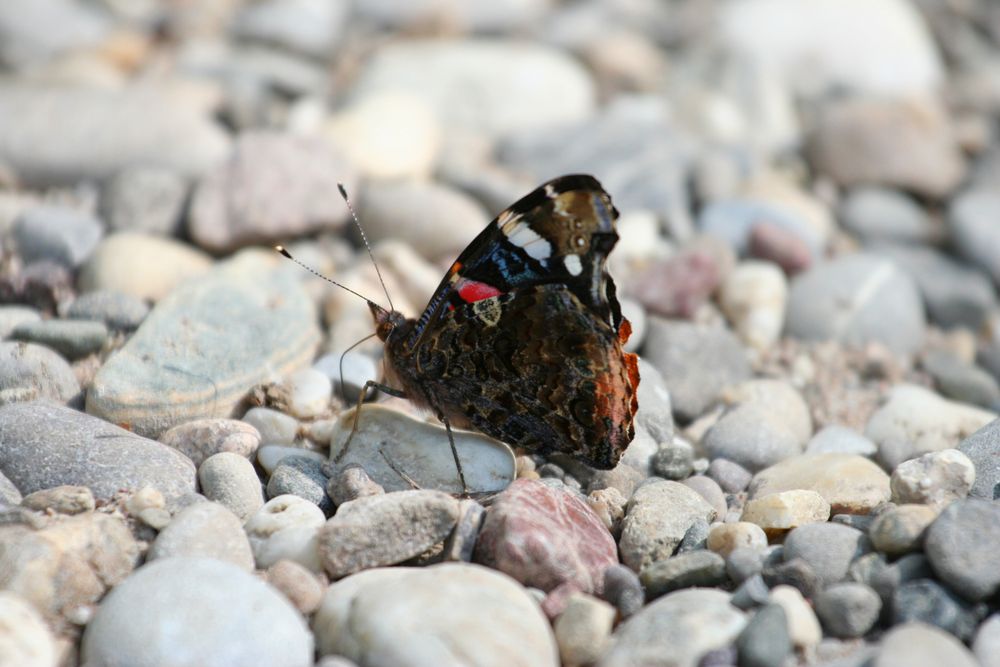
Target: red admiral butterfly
x: 522, y: 340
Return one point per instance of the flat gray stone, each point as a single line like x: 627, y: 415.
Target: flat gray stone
x: 34, y: 31
x: 983, y: 449
x: 829, y: 548
x: 118, y: 311
x: 962, y: 545
x: 205, y: 345
x: 971, y: 220
x: 29, y: 372
x: 58, y: 234
x: 44, y: 445
x: 204, y: 530
x: 73, y: 339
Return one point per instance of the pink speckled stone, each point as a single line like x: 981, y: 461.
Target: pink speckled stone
x: 546, y: 537
x: 773, y: 243
x: 677, y: 286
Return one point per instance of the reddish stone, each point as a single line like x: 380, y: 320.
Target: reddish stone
x: 676, y: 287
x: 545, y: 537
x: 776, y: 244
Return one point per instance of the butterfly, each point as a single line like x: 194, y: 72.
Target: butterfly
x: 522, y: 340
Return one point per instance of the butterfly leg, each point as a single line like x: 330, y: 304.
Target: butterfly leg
x: 398, y: 393
x: 406, y: 478
x: 454, y: 453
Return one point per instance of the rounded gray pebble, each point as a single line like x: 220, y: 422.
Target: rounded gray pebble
x: 29, y: 371
x: 230, y: 480
x: 686, y: 570
x: 927, y: 601
x: 352, y: 483
x: 752, y: 593
x: 743, y: 563
x: 765, y: 642
x: 729, y: 475
x: 117, y: 310
x: 753, y: 436
x: 963, y: 543
x: 673, y: 460
x: 848, y: 610
x: 146, y: 199
x: 829, y: 548
x: 71, y: 338
x: 623, y: 589
x: 303, y: 477
x: 204, y: 530
x: 57, y: 234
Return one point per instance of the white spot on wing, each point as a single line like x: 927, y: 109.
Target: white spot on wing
x: 573, y: 264
x: 523, y: 236
x: 540, y: 249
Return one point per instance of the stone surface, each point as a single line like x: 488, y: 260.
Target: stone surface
x: 837, y: 439
x: 310, y: 27
x: 72, y: 339
x: 230, y: 480
x: 623, y: 589
x: 35, y: 32
x: 934, y: 479
x: 781, y: 511
x: 146, y: 199
x: 764, y: 642
x: 117, y: 310
x: 969, y: 217
x: 286, y: 527
x: 901, y: 529
x: 46, y: 445
x: 25, y: 640
x: 300, y: 476
x: 61, y: 235
x: 132, y: 127
x: 927, y: 601
x: 803, y: 626
x: 848, y: 610
x: 421, y: 450
x: 724, y: 538
x: 273, y: 426
x: 545, y: 537
x: 375, y: 531
x: 172, y: 371
x: 12, y: 315
x: 9, y: 495
x: 962, y: 545
x: 962, y: 380
x: 982, y: 448
x: 61, y: 499
x: 752, y: 435
x: 729, y: 475
x: 140, y: 265
x: 753, y: 297
x: 196, y: 611
x: 444, y: 614
x: 857, y: 299
x: 657, y: 517
x: 204, y: 530
x: 883, y: 214
x: 828, y: 548
x: 29, y: 372
x: 201, y: 439
x: 302, y: 588
x: 275, y: 186
x: 921, y: 645
x: 66, y: 564
x: 686, y: 570
x: 698, y: 362
x: 851, y: 484
x: 676, y: 630
x: 986, y: 646
x: 583, y: 630
x: 915, y: 421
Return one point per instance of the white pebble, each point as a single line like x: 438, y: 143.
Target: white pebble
x: 309, y: 393
x: 269, y: 456
x: 286, y: 527
x: 276, y: 428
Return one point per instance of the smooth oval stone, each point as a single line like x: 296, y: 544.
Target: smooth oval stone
x: 118, y: 311
x: 452, y: 613
x: 25, y: 640
x: 188, y: 612
x: 29, y: 371
x: 71, y: 338
x: 203, y: 438
x: 286, y: 527
x: 203, y: 347
x: 851, y: 484
x: 657, y: 517
x: 204, y: 530
x: 46, y: 445
x: 421, y: 451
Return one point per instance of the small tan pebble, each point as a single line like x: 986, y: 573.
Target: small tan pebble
x: 723, y: 538
x: 297, y: 583
x: 609, y: 506
x: 145, y: 498
x: 524, y: 465
x: 201, y: 438
x: 154, y: 517
x: 61, y: 499
x: 777, y: 513
x: 583, y: 630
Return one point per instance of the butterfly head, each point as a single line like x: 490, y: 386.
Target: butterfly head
x: 386, y: 321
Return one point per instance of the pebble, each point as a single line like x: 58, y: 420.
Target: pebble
x: 725, y: 538
x: 695, y: 537
x: 435, y: 220
x: 388, y: 135
x: 935, y: 479
x: 29, y: 372
x: 153, y: 383
x: 352, y: 483
x: 986, y: 645
x: 34, y: 32
x: 230, y: 480
x: 779, y: 512
x: 545, y: 537
x: 927, y: 601
x: 148, y: 619
x: 411, y: 616
x: 657, y: 517
x: 117, y: 310
x: 135, y: 126
x: 204, y: 530
x: 737, y: 220
x: 962, y: 545
x: 779, y: 396
x: 532, y: 87
x: 905, y: 143
x: 13, y: 315
x: 274, y: 187
x: 583, y: 630
x: 67, y: 564
x: 9, y: 495
x: 697, y: 361
x: 771, y: 243
x: 201, y: 439
x: 962, y: 381
x: 753, y: 436
x: 301, y: 476
x: 302, y: 588
x: 347, y: 379
x: 969, y: 216
x: 61, y: 499
x: 921, y: 645
x: 61, y: 235
x: 269, y: 457
x: 857, y: 299
x: 828, y: 548
x: 304, y: 394
x: 286, y: 527
x: 141, y: 265
x: 679, y: 285
x: 708, y: 489
x: 274, y: 426
x: 145, y: 198
x: 25, y: 639
x: 730, y: 476
x: 673, y: 460
x: 461, y: 543
x: 686, y: 570
x: 419, y: 449
x: 901, y: 530
x: 623, y: 589
x: 310, y: 27
x: 851, y: 484
x: 955, y: 294
x: 47, y: 445
x: 375, y: 531
x: 743, y: 563
x: 680, y: 627
x: 916, y: 421
x: 981, y: 448
x: 803, y: 626
x: 753, y: 297
x: 848, y: 610
x: 836, y: 439
x: 73, y: 339
x: 750, y: 594
x: 875, y: 214
x: 764, y: 642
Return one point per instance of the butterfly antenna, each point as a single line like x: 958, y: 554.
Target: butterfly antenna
x: 364, y: 237
x: 284, y: 251
x: 343, y: 387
